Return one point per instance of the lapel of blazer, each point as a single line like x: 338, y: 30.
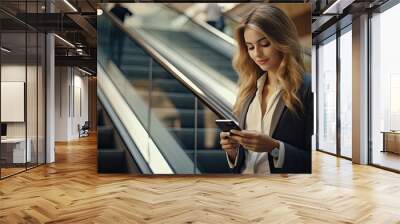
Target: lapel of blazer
x: 276, y: 116
x: 246, y: 105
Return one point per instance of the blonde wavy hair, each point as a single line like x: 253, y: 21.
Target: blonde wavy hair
x: 281, y: 32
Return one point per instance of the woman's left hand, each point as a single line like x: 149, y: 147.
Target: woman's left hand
x: 254, y: 141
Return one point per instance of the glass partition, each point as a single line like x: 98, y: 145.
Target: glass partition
x: 385, y: 89
x: 346, y: 93
x: 327, y: 95
x: 22, y: 90
x: 14, y: 144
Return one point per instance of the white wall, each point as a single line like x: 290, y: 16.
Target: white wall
x: 13, y: 73
x: 71, y: 102
x: 62, y: 81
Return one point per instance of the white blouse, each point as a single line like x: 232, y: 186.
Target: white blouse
x: 257, y: 162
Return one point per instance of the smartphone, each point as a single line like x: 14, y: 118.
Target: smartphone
x: 227, y: 125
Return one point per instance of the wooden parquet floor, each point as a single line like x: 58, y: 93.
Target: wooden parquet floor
x: 71, y: 191
x: 10, y: 171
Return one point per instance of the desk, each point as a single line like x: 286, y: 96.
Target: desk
x: 16, y: 147
x: 391, y: 141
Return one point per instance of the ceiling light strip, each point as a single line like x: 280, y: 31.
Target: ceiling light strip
x: 5, y: 49
x: 64, y: 40
x: 84, y: 71
x: 337, y: 7
x: 70, y: 5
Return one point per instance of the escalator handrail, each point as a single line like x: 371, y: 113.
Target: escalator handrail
x: 205, y: 26
x: 134, y: 129
x: 217, y: 106
x: 129, y: 143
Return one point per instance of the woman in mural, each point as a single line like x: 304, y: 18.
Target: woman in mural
x: 275, y: 103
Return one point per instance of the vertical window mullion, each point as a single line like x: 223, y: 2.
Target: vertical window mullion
x: 37, y: 90
x: 26, y: 86
x: 338, y: 73
x: 317, y: 96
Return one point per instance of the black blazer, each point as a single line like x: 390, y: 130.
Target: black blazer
x: 294, y: 130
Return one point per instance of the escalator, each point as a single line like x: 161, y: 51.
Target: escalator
x: 194, y: 48
x: 159, y: 102
x: 196, y: 51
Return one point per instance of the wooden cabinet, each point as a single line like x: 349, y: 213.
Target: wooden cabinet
x: 13, y: 150
x: 391, y: 142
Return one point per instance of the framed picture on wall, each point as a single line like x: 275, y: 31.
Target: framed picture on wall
x: 12, y: 101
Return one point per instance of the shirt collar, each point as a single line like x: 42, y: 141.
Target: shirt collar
x: 261, y: 82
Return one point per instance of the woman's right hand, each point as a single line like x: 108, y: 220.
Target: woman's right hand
x: 229, y: 145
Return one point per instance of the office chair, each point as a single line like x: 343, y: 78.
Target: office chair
x: 84, y: 130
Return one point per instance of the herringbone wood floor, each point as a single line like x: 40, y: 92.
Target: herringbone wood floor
x: 71, y: 191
